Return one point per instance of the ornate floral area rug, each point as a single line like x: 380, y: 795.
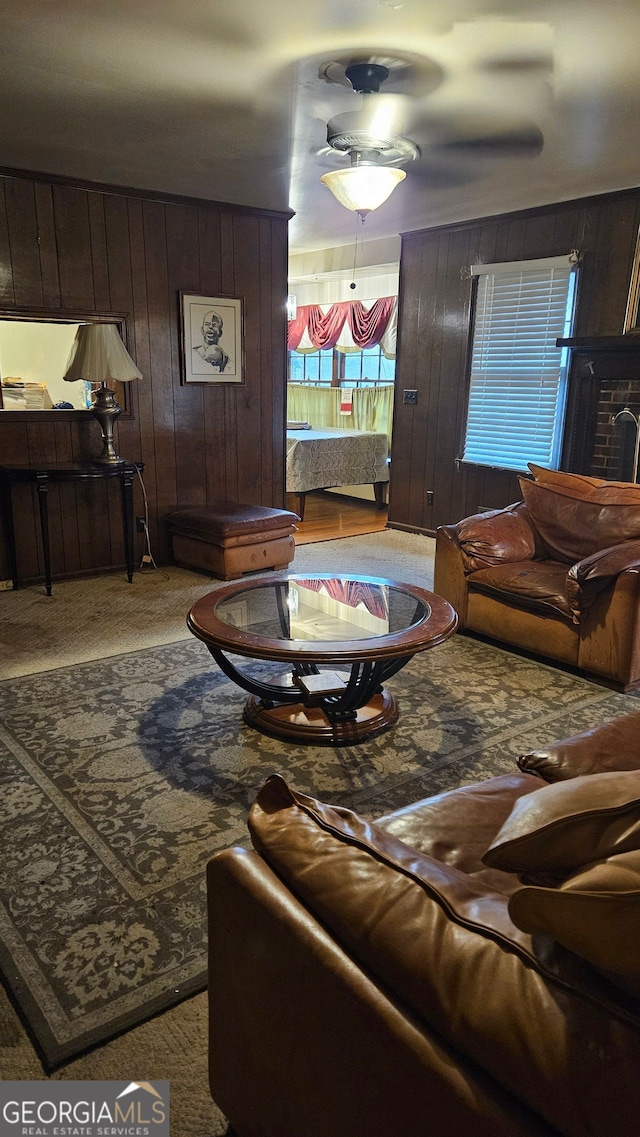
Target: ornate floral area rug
x: 120, y: 778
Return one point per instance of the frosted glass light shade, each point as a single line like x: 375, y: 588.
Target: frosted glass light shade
x: 98, y: 355
x: 362, y: 188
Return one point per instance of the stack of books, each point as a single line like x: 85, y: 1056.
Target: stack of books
x: 18, y: 395
x: 298, y: 424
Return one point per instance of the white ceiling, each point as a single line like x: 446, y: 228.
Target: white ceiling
x: 221, y: 99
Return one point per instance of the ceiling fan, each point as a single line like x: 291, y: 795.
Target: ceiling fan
x: 373, y: 137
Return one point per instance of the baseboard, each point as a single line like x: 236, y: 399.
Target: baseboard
x: 410, y: 528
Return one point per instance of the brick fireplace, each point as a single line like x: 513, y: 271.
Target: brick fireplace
x: 604, y: 380
x: 615, y: 442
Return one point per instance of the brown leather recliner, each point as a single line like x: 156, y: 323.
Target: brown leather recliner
x: 557, y: 574
x: 397, y: 978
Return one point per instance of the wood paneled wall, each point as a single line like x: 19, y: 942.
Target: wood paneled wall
x: 433, y: 339
x: 78, y: 247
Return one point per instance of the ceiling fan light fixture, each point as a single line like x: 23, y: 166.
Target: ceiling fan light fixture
x: 362, y: 188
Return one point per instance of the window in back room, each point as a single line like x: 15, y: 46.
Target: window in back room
x: 342, y: 323
x: 332, y: 368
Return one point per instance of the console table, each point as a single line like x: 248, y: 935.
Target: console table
x: 42, y: 476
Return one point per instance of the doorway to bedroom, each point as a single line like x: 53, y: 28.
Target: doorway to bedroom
x: 341, y: 372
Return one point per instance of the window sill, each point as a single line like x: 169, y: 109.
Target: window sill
x: 517, y: 470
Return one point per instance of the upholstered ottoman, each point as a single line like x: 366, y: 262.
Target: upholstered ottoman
x: 228, y: 540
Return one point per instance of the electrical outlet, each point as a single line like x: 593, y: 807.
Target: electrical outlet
x: 429, y: 497
x: 140, y: 524
x: 5, y: 585
x: 410, y: 397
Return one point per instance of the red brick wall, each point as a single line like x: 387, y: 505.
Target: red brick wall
x: 615, y: 444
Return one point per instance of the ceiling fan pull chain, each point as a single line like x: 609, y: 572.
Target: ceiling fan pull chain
x: 362, y: 217
x: 355, y: 256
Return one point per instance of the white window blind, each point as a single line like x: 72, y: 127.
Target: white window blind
x: 517, y: 393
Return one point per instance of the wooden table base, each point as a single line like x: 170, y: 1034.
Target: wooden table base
x: 293, y: 722
x: 311, y: 624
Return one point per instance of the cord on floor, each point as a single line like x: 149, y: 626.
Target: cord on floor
x: 147, y: 561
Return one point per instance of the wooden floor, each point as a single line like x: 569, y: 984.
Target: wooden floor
x: 328, y: 515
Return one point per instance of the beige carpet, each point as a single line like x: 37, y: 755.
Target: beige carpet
x: 104, y: 616
x: 172, y: 1046
x: 93, y: 619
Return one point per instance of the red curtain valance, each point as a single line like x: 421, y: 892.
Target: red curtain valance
x: 367, y: 326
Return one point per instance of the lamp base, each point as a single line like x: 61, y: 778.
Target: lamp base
x: 106, y: 410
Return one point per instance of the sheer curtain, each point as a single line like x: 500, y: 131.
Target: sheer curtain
x: 372, y: 407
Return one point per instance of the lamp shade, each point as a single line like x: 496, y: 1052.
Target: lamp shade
x: 99, y: 355
x: 362, y: 188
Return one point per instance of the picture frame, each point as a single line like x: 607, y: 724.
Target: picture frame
x: 632, y: 314
x: 212, y: 339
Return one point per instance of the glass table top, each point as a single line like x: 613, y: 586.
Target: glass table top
x: 322, y: 609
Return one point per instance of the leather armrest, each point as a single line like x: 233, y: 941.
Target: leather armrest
x: 497, y: 537
x: 321, y: 1045
x: 444, y: 944
x: 449, y: 579
x: 591, y: 575
x: 609, y: 746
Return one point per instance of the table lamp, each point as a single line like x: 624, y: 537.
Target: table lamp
x: 99, y: 356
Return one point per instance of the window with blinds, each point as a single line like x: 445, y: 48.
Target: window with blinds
x: 517, y: 392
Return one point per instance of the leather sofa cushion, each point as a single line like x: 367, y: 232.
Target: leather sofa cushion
x: 494, y: 537
x: 538, y: 586
x: 573, y: 527
x: 560, y: 827
x: 609, y: 746
x: 456, y: 827
x: 595, y: 913
x: 535, y: 1016
x: 294, y: 832
x: 576, y: 484
x: 604, y: 493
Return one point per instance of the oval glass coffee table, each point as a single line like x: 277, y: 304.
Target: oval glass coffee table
x: 342, y: 638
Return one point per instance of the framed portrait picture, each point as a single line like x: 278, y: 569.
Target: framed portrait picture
x: 212, y: 338
x: 632, y: 314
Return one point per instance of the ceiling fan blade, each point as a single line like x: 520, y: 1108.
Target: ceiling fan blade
x: 432, y: 175
x: 540, y: 64
x: 483, y: 133
x: 395, y: 122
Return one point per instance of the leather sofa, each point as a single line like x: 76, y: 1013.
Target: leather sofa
x: 557, y: 574
x: 461, y: 967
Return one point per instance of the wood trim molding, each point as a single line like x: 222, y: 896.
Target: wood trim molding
x: 516, y: 214
x: 148, y: 195
x: 602, y: 343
